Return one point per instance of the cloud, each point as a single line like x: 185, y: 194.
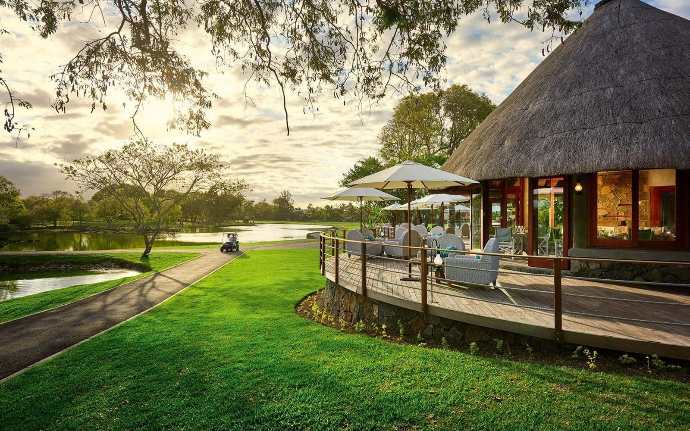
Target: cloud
x: 33, y: 178
x: 492, y: 58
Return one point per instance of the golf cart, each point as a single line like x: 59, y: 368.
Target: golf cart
x: 231, y: 243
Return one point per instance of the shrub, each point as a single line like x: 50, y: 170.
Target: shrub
x: 474, y: 348
x: 359, y: 326
x: 626, y: 359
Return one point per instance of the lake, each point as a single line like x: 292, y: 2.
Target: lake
x: 77, y: 241
x: 22, y: 287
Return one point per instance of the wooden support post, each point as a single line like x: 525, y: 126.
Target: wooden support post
x: 337, y: 266
x: 344, y: 236
x: 364, y: 269
x: 425, y: 272
x: 557, y: 300
x: 321, y: 254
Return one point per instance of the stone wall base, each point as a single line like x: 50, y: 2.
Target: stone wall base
x: 353, y: 308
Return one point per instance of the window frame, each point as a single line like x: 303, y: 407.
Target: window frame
x: 634, y: 241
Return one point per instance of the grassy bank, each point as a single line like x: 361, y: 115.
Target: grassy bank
x: 230, y: 353
x: 19, y: 307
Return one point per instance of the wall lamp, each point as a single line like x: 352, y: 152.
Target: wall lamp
x: 578, y: 187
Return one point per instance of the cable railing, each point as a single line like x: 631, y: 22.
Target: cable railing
x: 420, y: 278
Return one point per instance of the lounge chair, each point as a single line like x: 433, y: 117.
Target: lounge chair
x: 437, y: 230
x: 435, y: 233
x: 421, y: 230
x: 474, y: 269
x: 398, y: 247
x: 504, y: 236
x: 374, y: 248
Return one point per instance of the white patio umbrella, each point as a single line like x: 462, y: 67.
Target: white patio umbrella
x: 361, y: 194
x: 410, y: 175
x: 440, y: 199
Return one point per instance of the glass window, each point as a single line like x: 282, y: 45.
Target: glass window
x: 614, y: 205
x: 657, y: 205
x: 548, y: 205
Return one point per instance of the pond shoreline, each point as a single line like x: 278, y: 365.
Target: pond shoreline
x: 25, y: 265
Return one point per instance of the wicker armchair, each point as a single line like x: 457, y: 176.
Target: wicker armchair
x: 398, y: 247
x: 374, y: 248
x: 477, y: 269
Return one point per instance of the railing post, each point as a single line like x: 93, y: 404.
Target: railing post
x: 337, y: 266
x: 364, y: 269
x: 425, y: 273
x: 344, y: 236
x: 321, y: 254
x: 557, y: 300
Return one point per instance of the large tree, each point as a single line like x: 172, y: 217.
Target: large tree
x: 149, y: 182
x: 428, y: 127
x: 338, y: 47
x: 362, y: 168
x: 10, y: 201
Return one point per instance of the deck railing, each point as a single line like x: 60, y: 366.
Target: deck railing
x: 641, y: 303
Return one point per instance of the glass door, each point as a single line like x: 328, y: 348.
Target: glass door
x: 549, y: 212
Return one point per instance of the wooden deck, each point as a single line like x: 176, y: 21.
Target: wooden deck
x: 605, y: 315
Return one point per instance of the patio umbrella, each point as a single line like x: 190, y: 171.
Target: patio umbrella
x: 361, y: 194
x: 429, y: 201
x: 410, y: 175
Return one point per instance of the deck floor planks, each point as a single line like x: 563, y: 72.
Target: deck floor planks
x: 383, y: 277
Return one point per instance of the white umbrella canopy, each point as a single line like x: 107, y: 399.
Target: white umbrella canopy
x: 438, y: 199
x: 414, y: 175
x: 359, y: 194
x: 395, y: 207
x: 410, y: 175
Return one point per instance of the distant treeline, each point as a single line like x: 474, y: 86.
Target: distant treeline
x: 221, y: 204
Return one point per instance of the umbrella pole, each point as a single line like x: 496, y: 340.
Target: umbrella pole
x: 361, y: 225
x: 442, y: 216
x: 409, y: 230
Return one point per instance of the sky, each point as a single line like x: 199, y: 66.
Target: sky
x: 492, y: 58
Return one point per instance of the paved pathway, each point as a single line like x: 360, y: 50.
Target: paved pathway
x: 30, y: 339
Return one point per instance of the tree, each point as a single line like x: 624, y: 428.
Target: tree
x: 361, y: 169
x: 415, y: 132
x: 284, y: 205
x: 428, y: 127
x: 463, y: 110
x: 11, y: 204
x: 149, y: 182
x: 338, y: 47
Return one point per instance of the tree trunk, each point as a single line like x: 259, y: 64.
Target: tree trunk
x: 148, y: 242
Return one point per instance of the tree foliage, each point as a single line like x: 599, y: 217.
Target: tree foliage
x: 10, y: 201
x: 362, y: 48
x: 150, y: 183
x: 428, y: 127
x: 362, y: 168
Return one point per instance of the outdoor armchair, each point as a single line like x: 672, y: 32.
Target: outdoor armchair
x: 374, y: 248
x: 504, y: 236
x: 437, y: 230
x: 474, y: 269
x: 398, y: 247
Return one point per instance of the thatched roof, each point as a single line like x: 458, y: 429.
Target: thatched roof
x: 614, y: 95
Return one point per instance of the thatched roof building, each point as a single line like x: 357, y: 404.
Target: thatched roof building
x: 614, y: 95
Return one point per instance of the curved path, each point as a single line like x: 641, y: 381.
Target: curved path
x: 30, y: 339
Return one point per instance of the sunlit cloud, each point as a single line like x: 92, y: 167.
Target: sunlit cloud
x: 247, y: 122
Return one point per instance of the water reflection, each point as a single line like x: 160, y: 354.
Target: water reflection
x: 78, y: 241
x: 17, y: 288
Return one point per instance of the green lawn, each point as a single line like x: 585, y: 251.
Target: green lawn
x: 230, y: 353
x: 18, y: 307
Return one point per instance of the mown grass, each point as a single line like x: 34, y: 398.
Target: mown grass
x: 19, y: 307
x: 230, y: 353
